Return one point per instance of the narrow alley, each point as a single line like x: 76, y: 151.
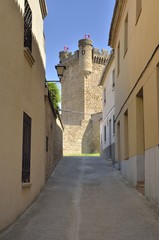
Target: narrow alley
x: 85, y: 199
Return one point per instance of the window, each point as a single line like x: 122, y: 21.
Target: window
x: 140, y: 134
x: 118, y: 142
x: 47, y: 144
x: 43, y: 8
x: 104, y: 95
x: 126, y: 136
x: 26, y: 153
x: 126, y: 35
x: 113, y: 124
x: 110, y: 132
x: 118, y: 58
x: 138, y: 9
x: 113, y: 79
x: 27, y: 26
x: 105, y: 134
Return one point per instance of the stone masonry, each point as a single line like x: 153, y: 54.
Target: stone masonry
x: 82, y: 97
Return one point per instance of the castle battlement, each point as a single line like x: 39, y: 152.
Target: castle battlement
x: 100, y: 56
x: 67, y: 57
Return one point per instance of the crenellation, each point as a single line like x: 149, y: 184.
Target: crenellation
x: 100, y: 56
x: 102, y: 52
x: 67, y: 57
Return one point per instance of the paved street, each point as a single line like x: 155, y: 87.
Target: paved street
x: 85, y: 199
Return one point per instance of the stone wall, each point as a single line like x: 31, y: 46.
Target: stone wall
x: 93, y: 93
x: 53, y: 138
x: 83, y: 138
x: 72, y: 95
x: 96, y: 131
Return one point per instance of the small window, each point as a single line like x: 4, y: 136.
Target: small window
x: 118, y: 58
x: 27, y: 26
x: 114, y: 124
x: 138, y: 9
x: 126, y: 135
x: 26, y: 152
x: 104, y: 95
x: 47, y: 144
x: 113, y: 79
x: 105, y: 134
x: 126, y: 35
x: 43, y: 8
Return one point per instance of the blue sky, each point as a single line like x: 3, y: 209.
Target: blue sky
x: 68, y: 21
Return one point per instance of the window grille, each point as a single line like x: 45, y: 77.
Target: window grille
x: 26, y: 148
x: 27, y: 26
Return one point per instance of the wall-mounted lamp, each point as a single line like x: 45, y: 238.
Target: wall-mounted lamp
x: 60, y: 70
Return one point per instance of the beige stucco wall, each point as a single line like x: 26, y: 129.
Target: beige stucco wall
x: 151, y: 111
x: 142, y: 41
x: 137, y: 94
x: 22, y: 90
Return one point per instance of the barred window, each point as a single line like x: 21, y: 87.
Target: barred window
x: 27, y: 26
x: 26, y: 148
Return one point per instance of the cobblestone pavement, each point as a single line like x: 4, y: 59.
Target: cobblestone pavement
x: 85, y: 199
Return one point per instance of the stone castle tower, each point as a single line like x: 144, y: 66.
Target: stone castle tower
x: 82, y: 97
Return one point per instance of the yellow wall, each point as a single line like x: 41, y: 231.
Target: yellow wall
x: 142, y: 40
x: 151, y: 111
x: 22, y: 90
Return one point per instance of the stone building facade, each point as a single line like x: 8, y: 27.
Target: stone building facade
x: 82, y: 97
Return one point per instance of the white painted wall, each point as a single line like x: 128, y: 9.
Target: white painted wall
x: 108, y: 107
